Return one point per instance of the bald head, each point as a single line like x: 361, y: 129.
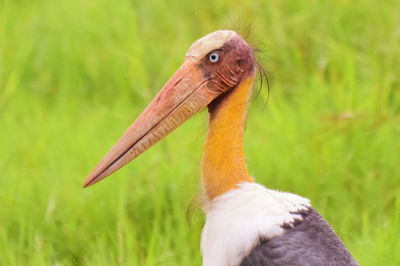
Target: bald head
x: 206, y: 44
x: 224, y: 57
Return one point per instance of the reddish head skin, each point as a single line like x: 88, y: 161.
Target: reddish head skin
x: 198, y: 83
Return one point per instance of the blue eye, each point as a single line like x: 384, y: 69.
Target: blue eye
x: 213, y: 57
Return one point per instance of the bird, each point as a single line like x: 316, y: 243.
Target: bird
x: 246, y: 223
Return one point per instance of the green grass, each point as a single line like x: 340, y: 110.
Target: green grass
x: 74, y: 74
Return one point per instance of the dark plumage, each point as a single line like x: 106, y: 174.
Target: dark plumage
x: 310, y: 242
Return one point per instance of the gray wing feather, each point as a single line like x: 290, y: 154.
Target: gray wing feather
x: 310, y: 242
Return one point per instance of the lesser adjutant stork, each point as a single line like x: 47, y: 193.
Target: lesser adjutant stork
x: 246, y: 223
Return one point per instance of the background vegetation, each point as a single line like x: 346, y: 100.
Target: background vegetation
x: 74, y: 74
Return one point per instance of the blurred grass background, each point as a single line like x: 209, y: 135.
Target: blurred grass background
x: 74, y: 74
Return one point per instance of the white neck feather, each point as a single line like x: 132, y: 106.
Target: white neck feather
x: 237, y: 219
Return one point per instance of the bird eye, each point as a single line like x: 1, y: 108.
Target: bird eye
x: 213, y: 57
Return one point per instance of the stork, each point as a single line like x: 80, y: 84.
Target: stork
x: 246, y: 223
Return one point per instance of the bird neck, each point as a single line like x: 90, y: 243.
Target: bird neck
x: 224, y: 164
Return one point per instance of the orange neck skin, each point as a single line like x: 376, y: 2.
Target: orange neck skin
x: 224, y: 165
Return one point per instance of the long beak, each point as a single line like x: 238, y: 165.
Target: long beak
x: 182, y: 96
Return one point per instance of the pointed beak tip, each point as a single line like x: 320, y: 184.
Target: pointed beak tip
x: 85, y: 184
x: 88, y: 182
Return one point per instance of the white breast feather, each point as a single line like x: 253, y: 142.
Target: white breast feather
x: 237, y: 219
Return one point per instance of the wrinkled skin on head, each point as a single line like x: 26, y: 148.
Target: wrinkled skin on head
x: 236, y: 62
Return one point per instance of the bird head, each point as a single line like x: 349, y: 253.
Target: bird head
x: 213, y: 65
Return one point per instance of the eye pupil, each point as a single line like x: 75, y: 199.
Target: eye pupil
x: 213, y: 57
